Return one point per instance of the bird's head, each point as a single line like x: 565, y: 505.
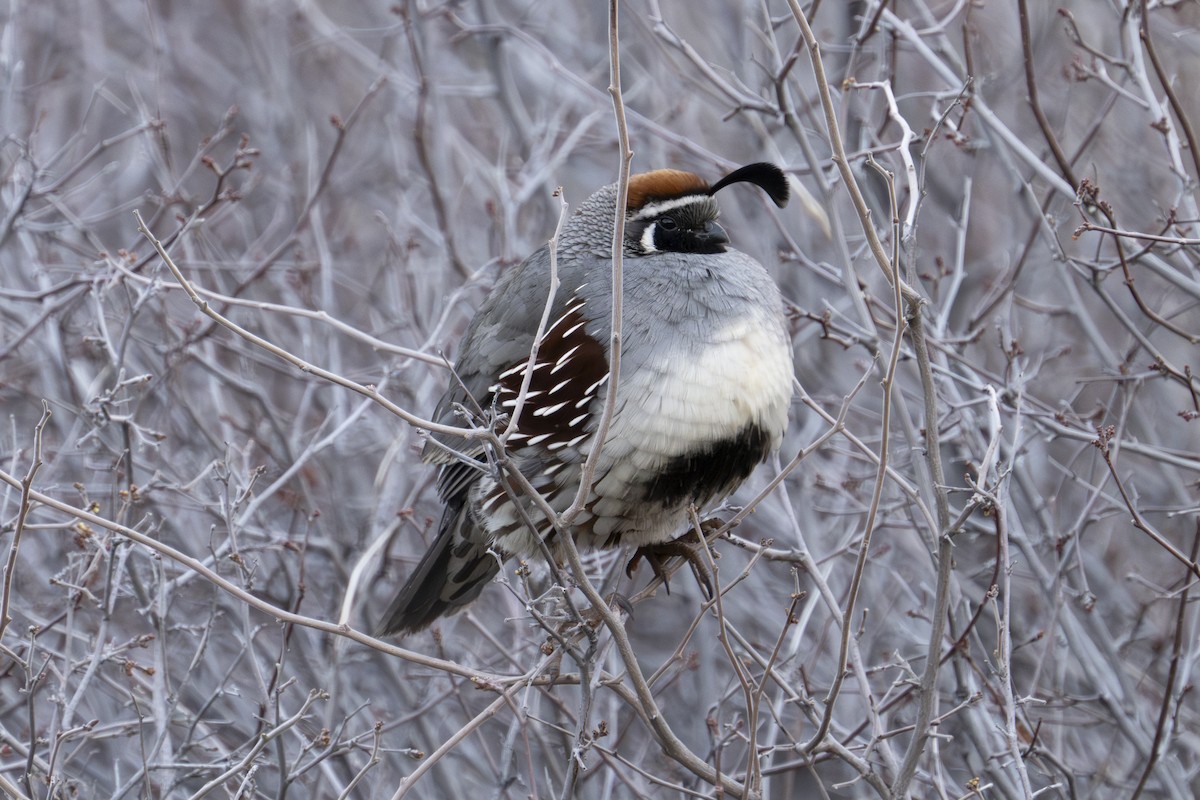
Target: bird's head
x: 671, y: 211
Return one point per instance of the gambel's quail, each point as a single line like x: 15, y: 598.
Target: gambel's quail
x: 703, y: 389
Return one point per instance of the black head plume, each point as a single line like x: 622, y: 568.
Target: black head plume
x: 767, y: 177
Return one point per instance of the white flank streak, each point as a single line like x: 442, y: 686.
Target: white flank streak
x: 591, y: 390
x: 571, y: 308
x: 513, y: 402
x: 557, y: 322
x: 563, y: 359
x: 548, y: 410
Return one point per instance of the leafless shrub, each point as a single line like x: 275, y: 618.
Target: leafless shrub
x: 996, y: 410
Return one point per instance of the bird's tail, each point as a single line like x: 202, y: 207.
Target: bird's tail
x: 449, y: 577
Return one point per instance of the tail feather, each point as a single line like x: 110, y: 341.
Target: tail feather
x: 451, y: 574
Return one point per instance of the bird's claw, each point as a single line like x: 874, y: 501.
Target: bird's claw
x: 685, y: 547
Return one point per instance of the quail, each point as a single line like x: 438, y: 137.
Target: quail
x: 702, y: 397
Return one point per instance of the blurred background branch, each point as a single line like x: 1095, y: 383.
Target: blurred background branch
x: 346, y: 181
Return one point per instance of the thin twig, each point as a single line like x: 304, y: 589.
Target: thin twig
x: 997, y: 500
x: 1181, y: 241
x: 453, y: 741
x: 296, y: 361
x: 514, y: 421
x: 907, y: 136
x: 260, y: 742
x: 317, y: 315
x: 1172, y: 98
x: 588, y: 471
x: 927, y: 694
x: 194, y: 565
x: 833, y: 132
x: 647, y: 706
x: 421, y: 143
x: 905, y: 31
x: 864, y: 546
x: 1064, y: 164
x: 1103, y: 442
x: 759, y: 691
x: 14, y: 547
x: 753, y: 782
x: 1169, y: 697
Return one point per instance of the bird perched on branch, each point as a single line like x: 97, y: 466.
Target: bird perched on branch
x: 703, y: 388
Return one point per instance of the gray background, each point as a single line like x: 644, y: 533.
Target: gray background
x: 126, y: 673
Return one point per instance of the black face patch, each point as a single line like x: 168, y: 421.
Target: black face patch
x: 673, y: 236
x: 711, y: 470
x: 677, y: 225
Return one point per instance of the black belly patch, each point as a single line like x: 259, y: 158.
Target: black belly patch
x: 711, y: 470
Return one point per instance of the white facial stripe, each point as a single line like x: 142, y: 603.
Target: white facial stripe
x: 648, y: 238
x: 655, y: 209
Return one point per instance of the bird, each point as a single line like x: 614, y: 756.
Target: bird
x: 703, y: 390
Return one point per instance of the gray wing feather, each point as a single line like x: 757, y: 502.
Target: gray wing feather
x: 500, y: 336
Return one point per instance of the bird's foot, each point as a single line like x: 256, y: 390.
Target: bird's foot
x: 685, y: 547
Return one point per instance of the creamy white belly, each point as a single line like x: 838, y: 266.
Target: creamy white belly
x: 743, y: 375
x: 678, y: 406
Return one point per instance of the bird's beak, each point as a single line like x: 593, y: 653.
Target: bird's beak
x: 712, y: 235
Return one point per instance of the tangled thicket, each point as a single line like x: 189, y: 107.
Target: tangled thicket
x: 346, y: 181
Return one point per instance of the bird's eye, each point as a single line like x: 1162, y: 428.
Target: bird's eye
x: 667, y: 223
